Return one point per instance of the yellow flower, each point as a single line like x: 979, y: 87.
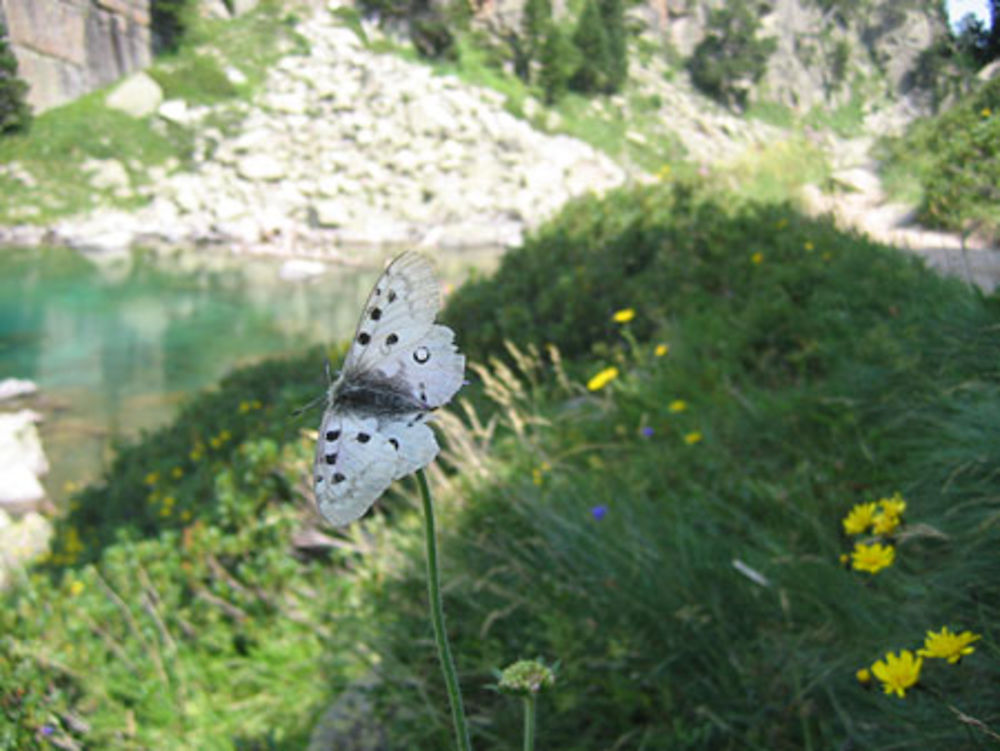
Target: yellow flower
x: 844, y: 559
x: 757, y: 258
x: 244, y: 407
x: 859, y: 518
x: 864, y: 676
x: 624, y: 315
x: 225, y: 435
x: 76, y: 587
x: 215, y: 442
x: 661, y: 350
x: 809, y: 246
x: 664, y: 172
x: 948, y: 646
x: 177, y: 473
x: 692, y: 438
x: 885, y: 523
x: 678, y: 405
x: 166, y: 511
x: 872, y: 558
x: 602, y: 379
x: 152, y: 477
x: 186, y: 515
x: 898, y: 673
x: 895, y: 505
x: 986, y: 112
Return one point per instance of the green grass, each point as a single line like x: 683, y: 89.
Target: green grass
x: 827, y: 372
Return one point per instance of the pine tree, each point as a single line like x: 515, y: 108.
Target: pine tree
x: 15, y: 115
x: 535, y: 21
x: 613, y: 15
x: 591, y: 40
x: 558, y: 58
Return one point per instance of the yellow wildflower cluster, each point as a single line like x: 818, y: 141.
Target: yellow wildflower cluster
x: 661, y: 350
x: 217, y: 441
x: 757, y: 258
x: 539, y: 472
x: 71, y: 546
x: 881, y: 518
x: 248, y: 406
x: 900, y: 672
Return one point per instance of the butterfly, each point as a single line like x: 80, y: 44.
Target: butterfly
x: 399, y: 368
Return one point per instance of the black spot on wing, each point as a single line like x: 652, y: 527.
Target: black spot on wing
x: 391, y: 339
x: 338, y: 478
x: 394, y: 443
x: 392, y: 296
x: 376, y: 313
x: 330, y: 458
x: 363, y: 438
x: 364, y: 338
x: 332, y: 435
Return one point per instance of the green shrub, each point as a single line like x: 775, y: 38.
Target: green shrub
x: 955, y: 157
x: 558, y: 59
x: 825, y: 371
x: 169, y: 21
x: 15, y: 114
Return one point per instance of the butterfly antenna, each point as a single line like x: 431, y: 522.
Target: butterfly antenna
x: 306, y: 407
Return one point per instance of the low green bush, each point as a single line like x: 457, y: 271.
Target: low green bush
x: 955, y: 159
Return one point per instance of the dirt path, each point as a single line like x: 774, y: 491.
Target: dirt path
x: 863, y: 205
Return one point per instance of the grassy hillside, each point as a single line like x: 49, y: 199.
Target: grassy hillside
x: 672, y: 537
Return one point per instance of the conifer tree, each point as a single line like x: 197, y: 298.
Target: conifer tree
x: 613, y: 15
x: 591, y: 40
x: 559, y: 58
x: 15, y: 115
x: 535, y: 21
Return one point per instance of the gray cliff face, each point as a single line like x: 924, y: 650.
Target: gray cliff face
x: 65, y: 48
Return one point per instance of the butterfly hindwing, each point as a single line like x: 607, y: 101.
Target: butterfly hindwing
x: 413, y: 440
x: 354, y: 465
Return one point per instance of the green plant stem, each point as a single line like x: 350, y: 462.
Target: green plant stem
x: 529, y: 722
x: 437, y: 617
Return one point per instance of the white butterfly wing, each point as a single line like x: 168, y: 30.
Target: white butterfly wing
x: 354, y: 465
x: 359, y: 453
x: 414, y: 441
x: 399, y: 311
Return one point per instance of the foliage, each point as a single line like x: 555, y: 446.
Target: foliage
x: 730, y: 59
x: 955, y: 157
x: 536, y: 20
x: 591, y: 39
x: 169, y: 21
x: 807, y: 370
x: 613, y: 16
x: 558, y: 59
x: 15, y: 114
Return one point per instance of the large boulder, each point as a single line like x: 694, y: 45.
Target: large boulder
x: 22, y: 461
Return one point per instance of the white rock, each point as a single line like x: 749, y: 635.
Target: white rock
x: 12, y: 388
x: 138, y: 95
x: 235, y: 75
x: 22, y: 460
x: 329, y: 213
x: 175, y: 111
x: 261, y: 167
x: 299, y: 269
x: 21, y: 541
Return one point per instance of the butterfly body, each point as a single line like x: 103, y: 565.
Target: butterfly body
x: 400, y: 367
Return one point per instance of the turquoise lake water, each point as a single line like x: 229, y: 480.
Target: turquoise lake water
x: 116, y: 346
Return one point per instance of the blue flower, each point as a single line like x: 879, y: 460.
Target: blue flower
x: 599, y: 512
x: 647, y: 431
x: 47, y: 729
